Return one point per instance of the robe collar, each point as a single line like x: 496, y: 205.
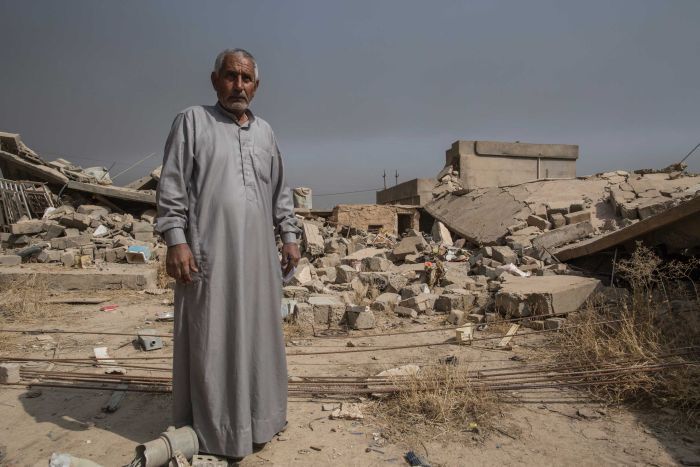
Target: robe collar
x: 233, y: 117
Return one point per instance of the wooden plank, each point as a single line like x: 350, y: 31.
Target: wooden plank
x: 505, y: 342
x: 140, y: 183
x: 675, y: 214
x: 114, y: 192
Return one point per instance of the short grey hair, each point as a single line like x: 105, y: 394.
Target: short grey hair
x: 218, y: 63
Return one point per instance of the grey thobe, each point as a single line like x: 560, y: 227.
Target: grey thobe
x: 222, y: 190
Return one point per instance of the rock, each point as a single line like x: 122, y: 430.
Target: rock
x: 76, y: 220
x: 327, y: 309
x: 27, y: 227
x: 557, y: 220
x: 405, y: 312
x: 63, y: 243
x: 408, y: 246
x: 554, y: 323
x: 328, y: 261
x: 539, y: 222
x: 453, y: 301
x: 376, y: 264
x: 578, y: 216
x: 302, y: 276
x: 9, y: 373
x: 396, y: 282
x: 504, y: 254
x: 329, y: 275
x: 414, y: 290
x: 422, y: 303
x: 345, y: 274
x: 359, y: 317
x: 651, y: 207
x: 441, y: 235
x: 53, y: 231
x: 563, y: 235
x: 313, y: 241
x: 543, y: 295
x: 456, y: 317
x: 300, y: 294
x: 386, y: 302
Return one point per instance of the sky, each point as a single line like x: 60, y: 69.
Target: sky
x: 356, y: 88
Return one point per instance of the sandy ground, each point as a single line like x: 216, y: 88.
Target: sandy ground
x: 540, y: 428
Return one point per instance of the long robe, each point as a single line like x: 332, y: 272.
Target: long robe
x: 222, y: 190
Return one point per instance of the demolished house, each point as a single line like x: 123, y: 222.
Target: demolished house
x: 474, y: 243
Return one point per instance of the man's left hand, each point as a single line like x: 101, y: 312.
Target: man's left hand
x: 290, y: 257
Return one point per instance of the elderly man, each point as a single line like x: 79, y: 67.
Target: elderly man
x: 221, y: 192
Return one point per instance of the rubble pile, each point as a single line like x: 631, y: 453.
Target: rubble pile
x: 81, y: 236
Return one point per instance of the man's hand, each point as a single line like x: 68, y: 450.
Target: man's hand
x: 290, y: 257
x: 180, y: 263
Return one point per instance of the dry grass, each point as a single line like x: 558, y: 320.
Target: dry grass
x: 659, y: 317
x: 164, y: 280
x: 436, y: 401
x: 22, y: 301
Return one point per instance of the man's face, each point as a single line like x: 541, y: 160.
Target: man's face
x: 235, y: 83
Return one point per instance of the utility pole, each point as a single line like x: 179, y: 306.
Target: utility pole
x: 396, y: 176
x: 384, y: 177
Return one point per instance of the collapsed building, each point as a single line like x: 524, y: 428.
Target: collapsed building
x: 473, y: 243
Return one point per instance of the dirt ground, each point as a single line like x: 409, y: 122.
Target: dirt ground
x: 536, y: 428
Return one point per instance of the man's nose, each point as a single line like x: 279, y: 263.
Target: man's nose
x: 238, y: 83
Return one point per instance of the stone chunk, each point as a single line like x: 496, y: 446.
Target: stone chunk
x: 76, y: 220
x: 313, y: 241
x: 452, y: 301
x: 504, y: 254
x: 577, y: 216
x: 456, y: 317
x: 10, y: 260
x: 441, y: 235
x: 562, y: 236
x: 345, y: 274
x: 359, y: 317
x: 396, y: 282
x: 413, y: 290
x: 327, y: 309
x: 537, y: 221
x: 93, y: 211
x: 9, y: 373
x: 405, y: 312
x: 53, y: 231
x: 142, y: 226
x: 543, y: 295
x: 653, y: 206
x: 27, y: 227
x: 557, y: 220
x: 298, y: 293
x: 376, y: 264
x: 422, y: 303
x: 554, y: 323
x: 330, y: 260
x: 408, y: 246
x: 386, y: 302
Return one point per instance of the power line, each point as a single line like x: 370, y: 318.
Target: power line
x: 345, y: 192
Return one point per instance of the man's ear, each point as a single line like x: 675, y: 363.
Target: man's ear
x: 257, y: 84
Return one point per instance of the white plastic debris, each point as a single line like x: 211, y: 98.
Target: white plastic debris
x: 47, y: 212
x: 100, y: 231
x: 514, y: 270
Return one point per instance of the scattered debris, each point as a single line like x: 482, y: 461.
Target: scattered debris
x: 348, y: 411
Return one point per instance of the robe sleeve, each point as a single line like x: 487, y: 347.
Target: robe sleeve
x: 172, y: 197
x: 282, y: 203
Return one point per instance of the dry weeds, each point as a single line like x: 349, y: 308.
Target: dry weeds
x: 22, y: 300
x: 656, y: 323
x: 437, y: 400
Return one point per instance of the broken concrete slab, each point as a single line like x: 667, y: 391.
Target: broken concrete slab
x: 441, y: 235
x: 313, y: 241
x: 359, y: 317
x: 543, y: 295
x: 327, y: 309
x: 504, y: 254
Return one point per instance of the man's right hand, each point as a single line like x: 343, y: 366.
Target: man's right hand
x: 180, y: 263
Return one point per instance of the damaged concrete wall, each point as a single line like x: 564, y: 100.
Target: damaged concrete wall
x: 417, y: 192
x: 372, y: 217
x: 494, y: 163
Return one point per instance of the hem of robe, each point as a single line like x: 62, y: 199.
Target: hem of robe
x: 266, y: 429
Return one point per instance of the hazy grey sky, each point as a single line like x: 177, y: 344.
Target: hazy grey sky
x: 353, y: 88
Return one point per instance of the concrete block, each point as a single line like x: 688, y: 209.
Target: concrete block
x: 405, y: 312
x: 27, y: 227
x: 557, y: 220
x: 539, y: 222
x: 75, y: 220
x: 629, y: 210
x: 457, y: 317
x: 302, y: 276
x: 408, y: 246
x: 141, y: 226
x: 396, y: 282
x: 68, y: 259
x: 554, y: 323
x: 453, y: 301
x: 441, y: 235
x: 49, y: 256
x: 53, y: 231
x: 653, y: 206
x: 300, y: 294
x: 327, y: 274
x: 558, y: 207
x: 327, y: 309
x: 93, y: 211
x: 345, y: 274
x: 386, y: 302
x: 10, y: 260
x: 504, y: 254
x: 413, y: 290
x: 9, y: 373
x: 63, y: 243
x: 144, y: 237
x: 475, y: 318
x: 578, y: 216
x: 328, y: 261
x: 359, y: 317
x: 376, y: 264
x: 563, y: 235
x: 313, y: 241
x: 422, y: 303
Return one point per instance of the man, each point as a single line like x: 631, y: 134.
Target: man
x: 221, y: 191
